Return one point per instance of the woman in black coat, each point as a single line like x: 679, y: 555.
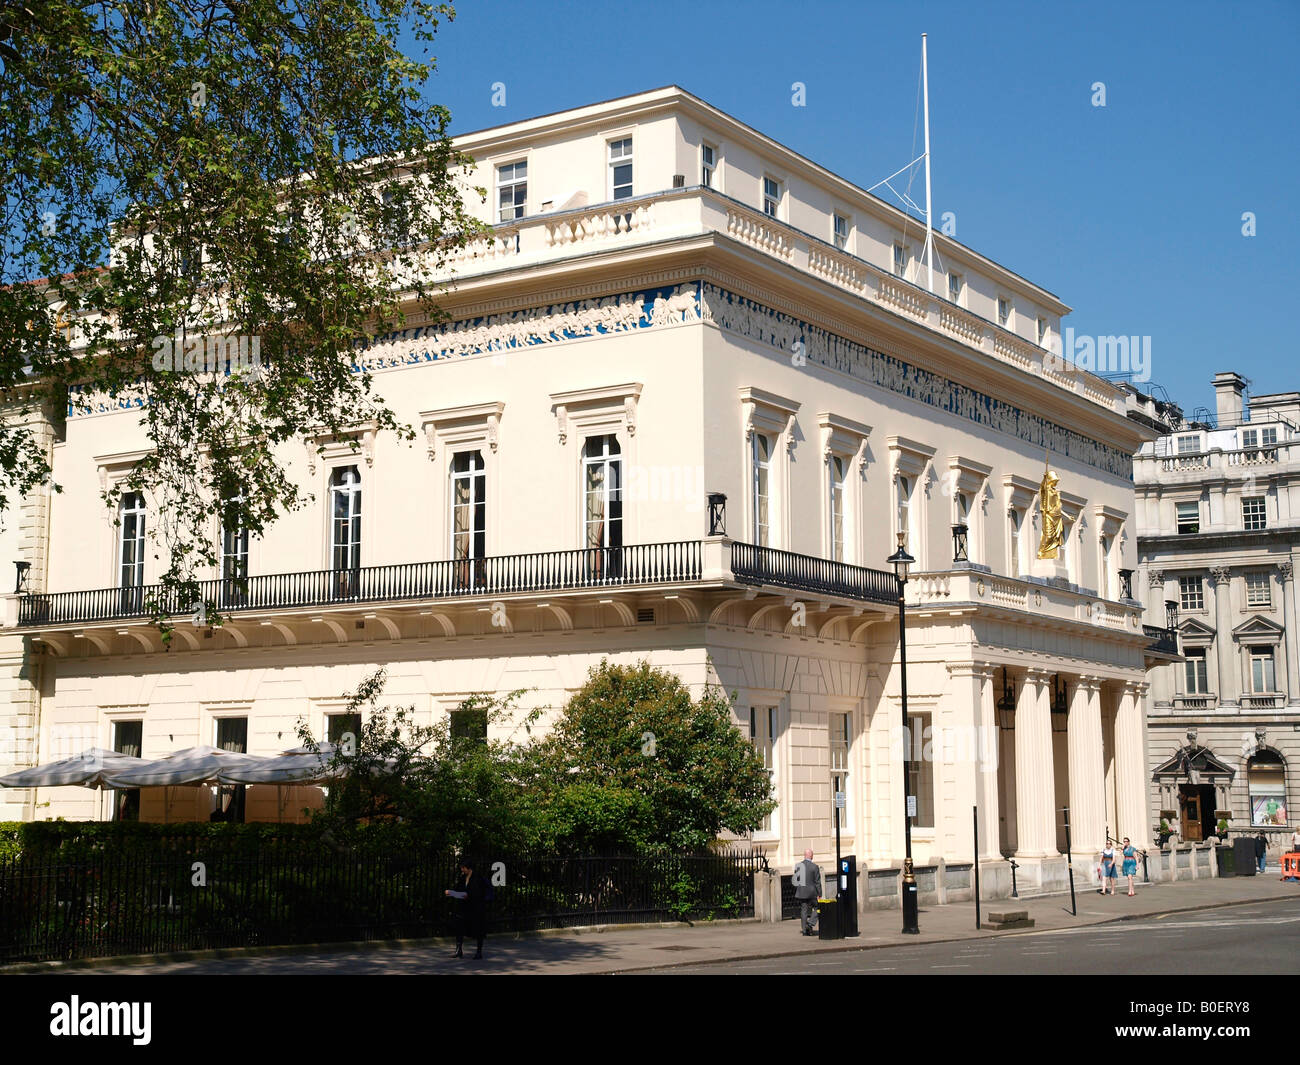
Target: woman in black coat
x: 471, y: 917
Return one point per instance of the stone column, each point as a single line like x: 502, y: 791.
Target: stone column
x: 974, y: 749
x: 1229, y: 683
x: 1130, y: 768
x: 1286, y: 576
x: 1035, y: 783
x: 1087, y: 771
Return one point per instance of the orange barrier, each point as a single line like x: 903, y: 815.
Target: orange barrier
x: 1291, y: 866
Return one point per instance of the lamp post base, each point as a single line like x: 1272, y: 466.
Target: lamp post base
x: 911, y: 927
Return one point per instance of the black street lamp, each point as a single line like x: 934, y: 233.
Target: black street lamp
x: 902, y: 562
x: 1171, y: 614
x: 960, y: 532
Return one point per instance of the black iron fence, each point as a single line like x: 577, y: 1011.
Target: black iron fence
x: 499, y: 575
x: 179, y: 894
x: 807, y: 573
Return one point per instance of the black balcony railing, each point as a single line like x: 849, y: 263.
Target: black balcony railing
x: 501, y: 575
x: 1163, y: 641
x: 766, y: 565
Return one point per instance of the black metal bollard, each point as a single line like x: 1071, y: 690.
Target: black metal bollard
x: 1014, y: 894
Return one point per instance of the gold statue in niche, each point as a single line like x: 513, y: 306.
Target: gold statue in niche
x: 1049, y: 506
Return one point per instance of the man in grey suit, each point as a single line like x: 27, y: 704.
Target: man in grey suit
x: 807, y: 889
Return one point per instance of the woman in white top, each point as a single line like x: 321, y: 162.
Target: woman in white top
x: 1108, y: 870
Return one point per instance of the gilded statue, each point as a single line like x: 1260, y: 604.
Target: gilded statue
x: 1049, y: 506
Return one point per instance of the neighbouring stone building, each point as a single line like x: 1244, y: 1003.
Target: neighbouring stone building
x: 671, y: 307
x: 1218, y: 525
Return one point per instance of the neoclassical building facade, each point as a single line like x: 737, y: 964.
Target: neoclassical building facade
x: 690, y: 389
x: 1218, y: 519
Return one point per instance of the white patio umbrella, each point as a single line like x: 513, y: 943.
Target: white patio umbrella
x: 92, y: 768
x: 192, y: 765
x: 292, y: 767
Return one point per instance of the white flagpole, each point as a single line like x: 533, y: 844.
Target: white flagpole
x: 929, y: 230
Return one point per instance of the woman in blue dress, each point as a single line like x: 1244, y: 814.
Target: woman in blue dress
x: 1130, y: 864
x: 1108, y: 870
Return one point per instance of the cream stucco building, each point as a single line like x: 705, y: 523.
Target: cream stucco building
x: 671, y: 306
x: 1218, y: 518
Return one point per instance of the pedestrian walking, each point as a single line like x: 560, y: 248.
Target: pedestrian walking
x: 807, y: 889
x: 1261, y: 850
x: 1130, y: 865
x: 1295, y: 840
x: 1108, y: 869
x: 470, y: 894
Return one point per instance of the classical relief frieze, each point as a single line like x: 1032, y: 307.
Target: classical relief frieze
x: 753, y: 321
x: 673, y: 305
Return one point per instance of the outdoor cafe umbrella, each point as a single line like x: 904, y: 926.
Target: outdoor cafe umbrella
x: 92, y: 768
x: 192, y: 765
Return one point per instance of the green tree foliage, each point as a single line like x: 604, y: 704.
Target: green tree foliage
x: 453, y: 792
x: 184, y: 169
x: 633, y: 765
x: 635, y: 731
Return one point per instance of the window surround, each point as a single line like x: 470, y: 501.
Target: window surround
x: 607, y: 142
x: 1257, y: 520
x: 780, y: 201
x: 852, y: 797
x: 1267, y: 577
x: 772, y: 415
x: 113, y: 469
x: 449, y: 431
x: 1008, y: 323
x: 512, y: 159
x: 958, y: 298
x: 911, y: 459
x: 608, y: 410
x: 847, y: 440
x: 1193, y: 501
x: 1257, y: 631
x: 1020, y: 493
x: 837, y: 214
x: 1197, y: 636
x: 715, y: 182
x: 326, y: 452
x: 970, y: 478
x: 759, y: 701
x: 1076, y: 526
x: 1110, y: 526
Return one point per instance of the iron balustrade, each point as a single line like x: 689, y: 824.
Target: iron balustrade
x: 600, y: 567
x: 768, y: 565
x: 1165, y: 641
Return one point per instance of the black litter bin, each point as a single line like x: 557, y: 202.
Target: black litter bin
x: 828, y: 922
x: 1227, y: 860
x: 1243, y: 856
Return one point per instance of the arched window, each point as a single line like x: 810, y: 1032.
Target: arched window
x: 1267, y: 782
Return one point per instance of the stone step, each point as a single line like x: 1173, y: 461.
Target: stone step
x: 998, y: 921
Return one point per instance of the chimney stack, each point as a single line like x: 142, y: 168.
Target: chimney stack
x: 1228, y: 398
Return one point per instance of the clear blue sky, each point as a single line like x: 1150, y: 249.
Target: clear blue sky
x: 1131, y: 213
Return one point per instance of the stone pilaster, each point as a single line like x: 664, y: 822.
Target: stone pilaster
x: 1286, y: 577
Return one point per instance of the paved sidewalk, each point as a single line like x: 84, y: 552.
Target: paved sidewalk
x: 628, y: 949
